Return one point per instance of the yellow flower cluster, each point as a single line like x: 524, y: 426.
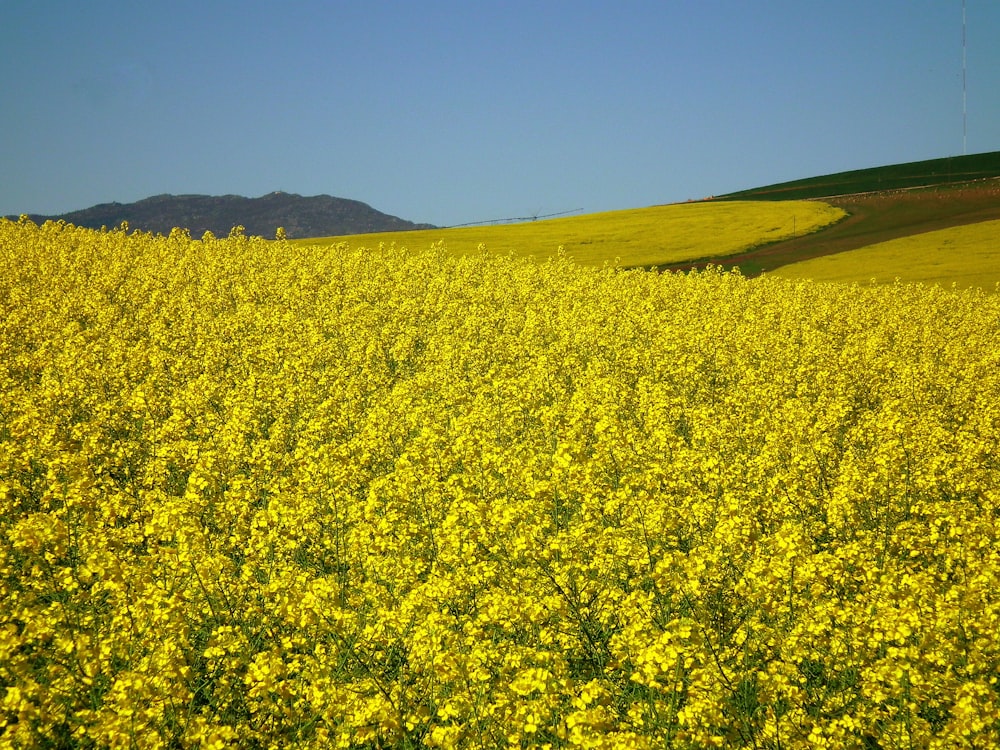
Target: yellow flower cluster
x: 658, y: 235
x: 967, y: 256
x: 262, y: 495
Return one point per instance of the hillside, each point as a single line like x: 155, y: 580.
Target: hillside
x: 871, y: 206
x: 301, y: 216
x: 641, y: 237
x: 871, y: 218
x: 964, y: 256
x: 881, y: 204
x: 950, y: 170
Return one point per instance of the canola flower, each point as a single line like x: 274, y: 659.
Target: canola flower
x: 262, y: 495
x: 657, y: 235
x: 966, y: 256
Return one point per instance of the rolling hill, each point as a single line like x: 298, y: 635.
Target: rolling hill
x: 950, y: 170
x: 640, y: 237
x: 964, y: 256
x: 872, y: 206
x: 871, y: 218
x: 881, y: 204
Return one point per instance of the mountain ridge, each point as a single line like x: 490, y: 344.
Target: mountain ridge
x: 300, y: 216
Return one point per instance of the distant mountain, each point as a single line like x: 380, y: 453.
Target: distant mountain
x: 301, y: 216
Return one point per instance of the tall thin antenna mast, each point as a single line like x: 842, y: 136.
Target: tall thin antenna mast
x: 965, y: 116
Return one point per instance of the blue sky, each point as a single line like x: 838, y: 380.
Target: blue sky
x: 454, y: 112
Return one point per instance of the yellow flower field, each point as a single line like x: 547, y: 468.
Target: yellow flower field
x: 263, y: 495
x: 967, y: 256
x: 658, y: 235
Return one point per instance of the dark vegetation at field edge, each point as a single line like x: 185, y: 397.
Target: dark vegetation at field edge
x: 933, y: 172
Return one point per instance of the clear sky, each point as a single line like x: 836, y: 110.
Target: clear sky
x: 451, y: 112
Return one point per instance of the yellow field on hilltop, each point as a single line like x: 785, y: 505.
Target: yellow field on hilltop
x: 968, y: 256
x: 256, y: 494
x: 636, y: 237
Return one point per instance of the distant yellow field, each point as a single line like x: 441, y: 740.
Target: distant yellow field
x: 635, y: 237
x: 968, y: 256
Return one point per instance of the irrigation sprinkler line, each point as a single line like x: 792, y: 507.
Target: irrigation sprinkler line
x: 536, y: 217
